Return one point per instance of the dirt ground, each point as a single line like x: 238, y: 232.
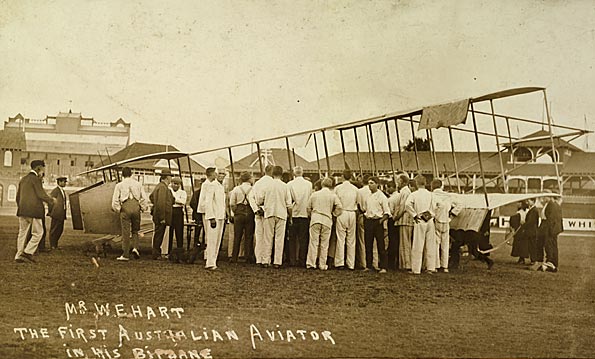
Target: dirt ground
x: 506, y: 312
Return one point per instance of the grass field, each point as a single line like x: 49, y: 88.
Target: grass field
x: 506, y: 312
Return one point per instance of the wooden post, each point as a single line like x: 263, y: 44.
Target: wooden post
x: 372, y: 169
x: 260, y: 159
x: 317, y: 156
x: 399, y: 145
x: 288, y: 156
x: 414, y: 142
x: 510, y: 141
x: 554, y: 157
x: 373, y: 149
x: 502, y: 171
x: 359, y: 161
x: 432, y: 159
x: 454, y: 158
x: 233, y: 173
x: 182, y: 186
x: 483, y: 179
x: 328, y: 161
x: 390, y: 152
x: 190, y: 170
x: 343, y: 148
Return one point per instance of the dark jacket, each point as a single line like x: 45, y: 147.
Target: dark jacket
x: 30, y: 197
x: 58, y: 210
x: 553, y: 219
x: 163, y: 201
x: 194, y: 205
x: 528, y: 229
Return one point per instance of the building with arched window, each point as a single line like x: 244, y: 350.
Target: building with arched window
x: 68, y: 143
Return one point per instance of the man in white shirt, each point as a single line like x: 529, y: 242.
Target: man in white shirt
x: 212, y: 202
x: 360, y: 247
x: 445, y: 208
x: 277, y: 205
x: 421, y: 208
x: 254, y: 198
x: 376, y: 214
x: 177, y: 216
x: 129, y: 199
x: 300, y: 189
x: 346, y: 223
x: 243, y: 219
x: 322, y: 205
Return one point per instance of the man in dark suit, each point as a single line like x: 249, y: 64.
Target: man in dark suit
x: 30, y: 198
x: 552, y: 227
x: 162, y: 200
x: 58, y: 212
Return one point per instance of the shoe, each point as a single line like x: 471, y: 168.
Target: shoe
x: 490, y: 264
x: 429, y: 272
x: 122, y: 258
x: 445, y: 270
x: 266, y: 265
x: 28, y: 257
x: 212, y: 268
x: 135, y: 253
x: 276, y: 266
x: 521, y: 261
x: 366, y: 270
x: 310, y: 267
x: 19, y: 260
x: 382, y: 271
x: 340, y: 267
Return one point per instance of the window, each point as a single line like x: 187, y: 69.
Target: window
x: 522, y: 154
x: 58, y: 162
x: 12, y: 193
x: 72, y: 162
x: 89, y: 164
x: 8, y: 159
x: 23, y: 161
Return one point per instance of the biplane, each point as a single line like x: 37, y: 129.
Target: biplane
x: 91, y: 210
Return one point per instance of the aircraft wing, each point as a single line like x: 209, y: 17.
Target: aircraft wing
x: 171, y: 155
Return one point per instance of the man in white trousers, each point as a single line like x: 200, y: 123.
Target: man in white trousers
x: 254, y: 198
x: 403, y: 220
x: 346, y: 223
x: 212, y: 200
x: 321, y: 207
x: 277, y: 204
x: 421, y: 207
x: 445, y: 208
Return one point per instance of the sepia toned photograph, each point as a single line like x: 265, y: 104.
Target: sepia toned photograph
x: 297, y: 179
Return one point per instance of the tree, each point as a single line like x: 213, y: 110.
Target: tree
x: 423, y: 144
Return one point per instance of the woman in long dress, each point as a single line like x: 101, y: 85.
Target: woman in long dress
x: 520, y: 246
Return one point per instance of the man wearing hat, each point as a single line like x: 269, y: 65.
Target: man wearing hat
x: 30, y: 198
x: 163, y: 201
x: 177, y: 218
x: 129, y: 199
x: 58, y: 212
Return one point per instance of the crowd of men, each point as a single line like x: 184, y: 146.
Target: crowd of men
x: 281, y: 221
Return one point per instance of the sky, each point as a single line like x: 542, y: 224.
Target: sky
x: 204, y: 74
